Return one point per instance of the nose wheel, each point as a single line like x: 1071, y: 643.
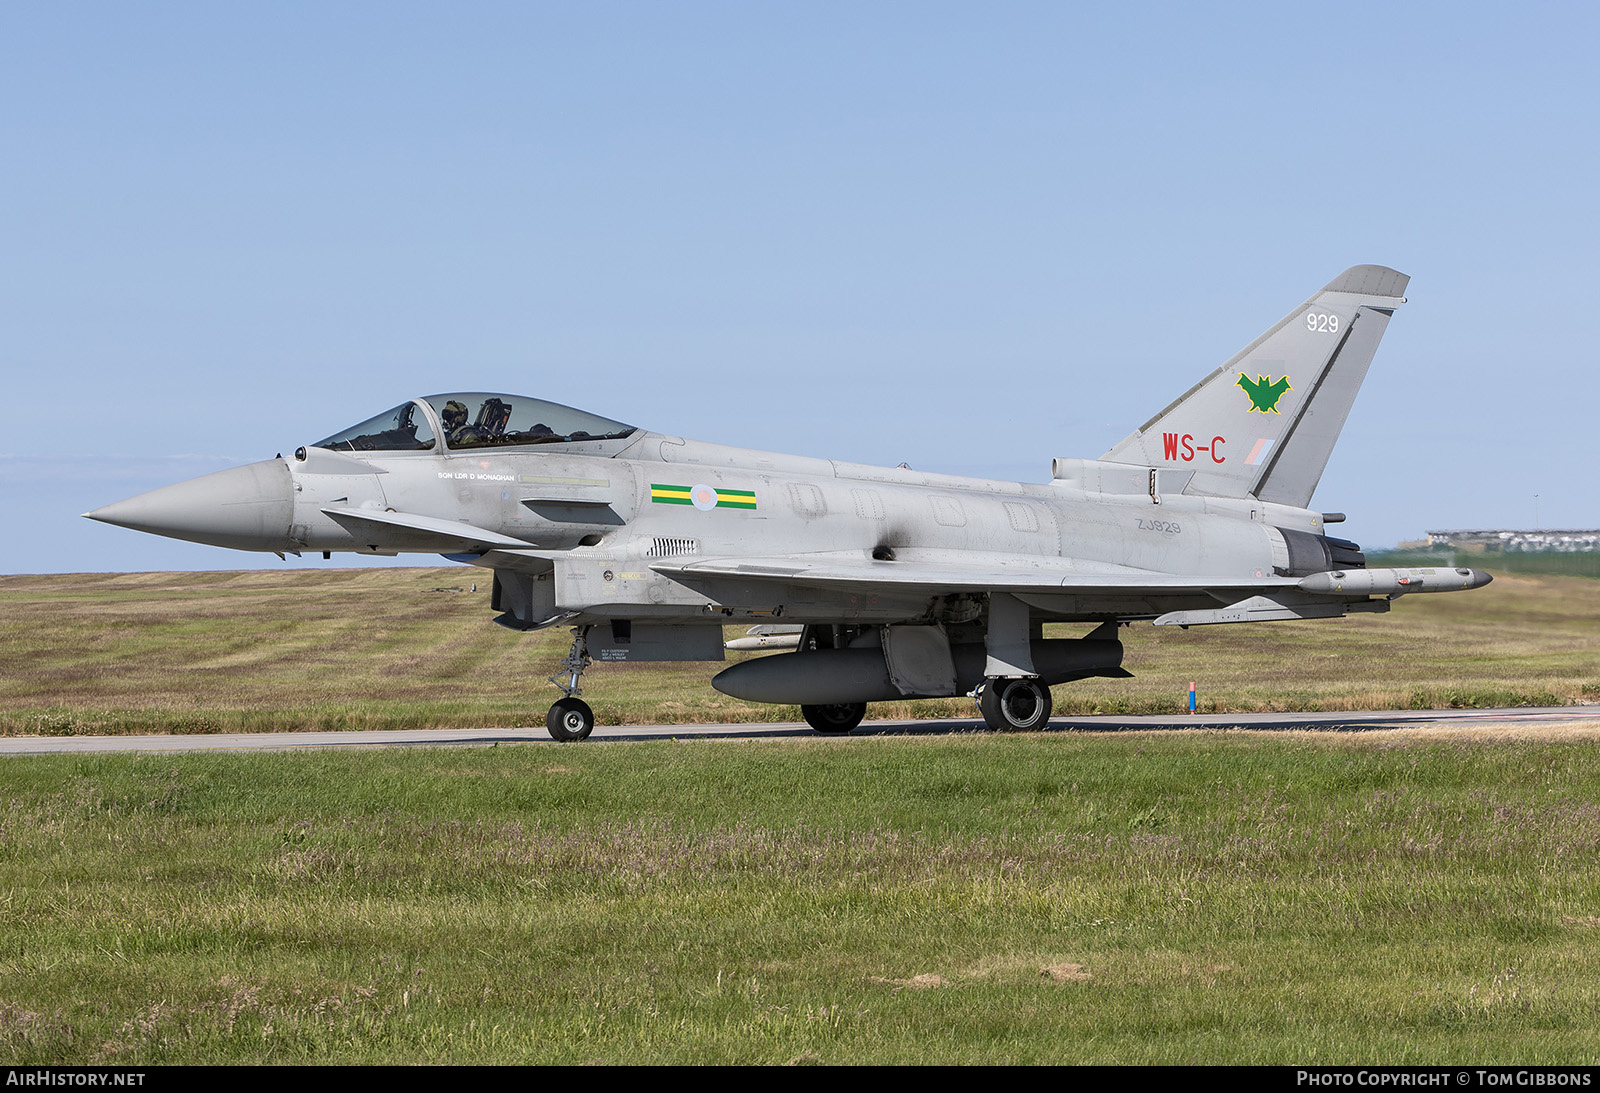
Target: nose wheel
x: 570, y: 719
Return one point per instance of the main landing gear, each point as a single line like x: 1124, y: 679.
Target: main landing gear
x: 839, y: 717
x: 571, y: 718
x: 1014, y: 705
x: 1012, y: 698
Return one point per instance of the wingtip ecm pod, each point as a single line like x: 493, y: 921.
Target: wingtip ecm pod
x: 1371, y: 281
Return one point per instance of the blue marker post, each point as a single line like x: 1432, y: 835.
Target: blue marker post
x: 1191, y: 696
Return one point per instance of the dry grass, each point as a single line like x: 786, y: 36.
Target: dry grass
x: 1520, y: 641
x: 415, y: 648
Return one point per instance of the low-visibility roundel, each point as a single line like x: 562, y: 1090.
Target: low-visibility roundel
x: 703, y: 497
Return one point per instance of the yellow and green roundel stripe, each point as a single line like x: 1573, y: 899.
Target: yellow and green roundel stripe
x: 686, y: 495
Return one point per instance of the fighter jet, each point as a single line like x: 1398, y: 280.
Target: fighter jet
x: 885, y: 583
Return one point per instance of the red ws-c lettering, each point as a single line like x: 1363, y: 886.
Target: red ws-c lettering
x: 1183, y: 447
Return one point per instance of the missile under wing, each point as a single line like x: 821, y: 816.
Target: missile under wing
x: 884, y: 582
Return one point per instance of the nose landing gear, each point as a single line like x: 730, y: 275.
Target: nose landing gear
x: 571, y: 719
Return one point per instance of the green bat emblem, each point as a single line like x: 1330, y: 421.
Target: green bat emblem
x: 1264, y: 396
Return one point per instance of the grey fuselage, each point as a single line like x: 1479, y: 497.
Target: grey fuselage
x: 591, y: 519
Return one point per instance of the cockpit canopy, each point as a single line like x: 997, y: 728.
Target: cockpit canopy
x: 484, y: 420
x: 403, y: 429
x: 474, y: 420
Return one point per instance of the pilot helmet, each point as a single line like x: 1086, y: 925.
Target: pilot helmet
x: 455, y: 414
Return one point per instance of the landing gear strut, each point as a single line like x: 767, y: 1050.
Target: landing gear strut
x: 571, y: 718
x: 1014, y: 705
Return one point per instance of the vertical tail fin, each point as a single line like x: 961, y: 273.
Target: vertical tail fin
x: 1264, y: 424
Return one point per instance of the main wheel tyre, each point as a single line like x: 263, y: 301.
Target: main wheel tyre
x: 570, y: 719
x: 837, y: 718
x: 1015, y: 705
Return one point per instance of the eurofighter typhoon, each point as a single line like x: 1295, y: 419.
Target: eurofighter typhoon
x: 876, y: 583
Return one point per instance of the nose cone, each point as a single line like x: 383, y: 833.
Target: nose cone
x: 246, y: 508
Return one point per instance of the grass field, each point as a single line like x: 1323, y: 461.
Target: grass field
x: 1192, y: 896
x: 1394, y: 897
x: 415, y: 648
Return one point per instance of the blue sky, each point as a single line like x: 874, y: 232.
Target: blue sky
x: 970, y: 237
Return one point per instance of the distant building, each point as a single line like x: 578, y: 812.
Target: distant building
x: 1551, y: 541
